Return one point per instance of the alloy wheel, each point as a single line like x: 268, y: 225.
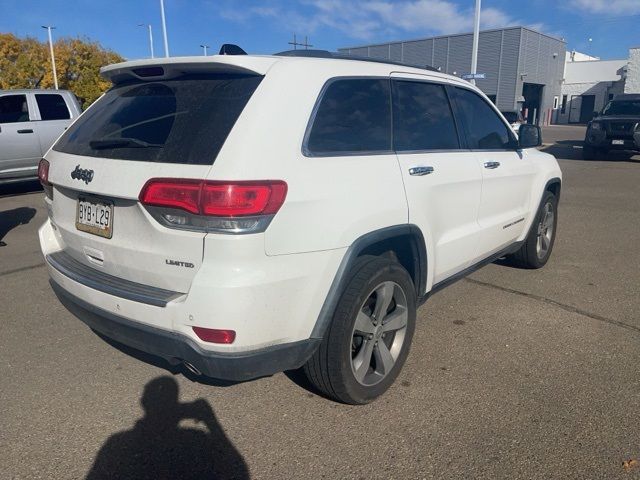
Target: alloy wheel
x: 379, y: 333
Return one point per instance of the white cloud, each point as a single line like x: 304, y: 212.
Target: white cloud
x: 364, y: 20
x: 625, y: 7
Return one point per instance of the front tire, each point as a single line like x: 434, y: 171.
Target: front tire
x: 589, y: 152
x: 370, y: 334
x: 537, y: 247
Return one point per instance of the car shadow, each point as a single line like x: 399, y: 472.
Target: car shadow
x: 162, y: 363
x: 572, y: 150
x: 10, y: 219
x: 159, y: 447
x: 20, y: 188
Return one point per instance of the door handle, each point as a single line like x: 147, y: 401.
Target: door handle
x: 491, y: 165
x: 26, y: 130
x: 419, y: 171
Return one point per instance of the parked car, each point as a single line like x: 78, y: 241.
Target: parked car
x: 30, y: 122
x: 515, y: 119
x: 617, y: 127
x: 245, y: 215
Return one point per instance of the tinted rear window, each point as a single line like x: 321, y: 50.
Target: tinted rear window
x: 354, y: 116
x: 182, y: 120
x: 422, y: 118
x: 52, y: 107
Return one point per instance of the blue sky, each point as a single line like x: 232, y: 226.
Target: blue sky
x: 266, y: 26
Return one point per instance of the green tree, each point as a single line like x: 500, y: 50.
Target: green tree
x: 25, y: 63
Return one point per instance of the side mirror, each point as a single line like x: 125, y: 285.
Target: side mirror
x: 529, y: 136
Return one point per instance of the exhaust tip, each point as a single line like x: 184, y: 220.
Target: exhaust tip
x: 192, y: 368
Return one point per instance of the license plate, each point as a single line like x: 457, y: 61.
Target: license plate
x: 617, y: 142
x: 95, y: 216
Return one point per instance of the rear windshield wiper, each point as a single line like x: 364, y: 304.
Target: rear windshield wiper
x: 104, y: 143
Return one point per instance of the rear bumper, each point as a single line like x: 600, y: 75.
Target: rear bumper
x: 176, y: 348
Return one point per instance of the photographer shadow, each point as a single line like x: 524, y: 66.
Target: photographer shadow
x: 11, y: 219
x: 158, y: 447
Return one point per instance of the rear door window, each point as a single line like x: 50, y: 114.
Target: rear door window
x: 52, y: 106
x: 14, y: 109
x: 484, y: 128
x: 422, y: 117
x: 182, y: 120
x: 353, y: 117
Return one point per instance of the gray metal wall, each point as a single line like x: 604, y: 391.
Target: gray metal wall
x: 504, y: 55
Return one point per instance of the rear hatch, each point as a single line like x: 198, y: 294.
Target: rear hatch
x: 165, y: 120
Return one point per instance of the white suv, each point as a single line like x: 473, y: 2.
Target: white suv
x: 245, y: 215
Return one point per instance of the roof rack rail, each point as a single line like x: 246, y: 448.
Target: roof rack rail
x: 342, y: 56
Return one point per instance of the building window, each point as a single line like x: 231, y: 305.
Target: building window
x: 564, y: 104
x: 555, y: 103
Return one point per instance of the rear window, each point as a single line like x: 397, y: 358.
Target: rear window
x: 422, y: 117
x: 354, y: 116
x: 182, y: 120
x: 52, y: 106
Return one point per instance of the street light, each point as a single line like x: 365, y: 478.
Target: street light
x: 150, y: 36
x: 204, y: 49
x: 164, y: 29
x: 53, y: 58
x: 476, y: 35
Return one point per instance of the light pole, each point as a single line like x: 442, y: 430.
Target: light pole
x: 476, y: 35
x: 204, y: 49
x: 53, y: 58
x: 150, y: 36
x: 164, y: 29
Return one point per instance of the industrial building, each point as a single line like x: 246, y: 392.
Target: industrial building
x: 523, y: 68
x: 589, y: 83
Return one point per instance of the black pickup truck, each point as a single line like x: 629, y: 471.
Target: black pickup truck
x: 617, y: 127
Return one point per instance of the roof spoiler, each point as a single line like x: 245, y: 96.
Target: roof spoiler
x: 172, y: 67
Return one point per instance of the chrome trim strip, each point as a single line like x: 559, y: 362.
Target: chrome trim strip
x: 103, y: 282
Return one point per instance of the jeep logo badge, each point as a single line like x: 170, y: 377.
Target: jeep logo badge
x: 81, y: 174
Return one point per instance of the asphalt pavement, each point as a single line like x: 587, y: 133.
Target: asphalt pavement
x: 513, y: 374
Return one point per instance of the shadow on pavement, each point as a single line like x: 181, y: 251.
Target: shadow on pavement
x: 162, y: 363
x: 572, y: 150
x: 10, y: 219
x: 158, y: 447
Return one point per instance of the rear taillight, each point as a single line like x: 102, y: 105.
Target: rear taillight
x: 180, y: 194
x: 43, y: 172
x: 43, y: 176
x: 214, y: 335
x: 227, y: 207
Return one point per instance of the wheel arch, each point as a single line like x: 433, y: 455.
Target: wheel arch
x: 554, y: 186
x: 405, y: 243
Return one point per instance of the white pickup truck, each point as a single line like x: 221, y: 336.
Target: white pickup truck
x: 30, y: 122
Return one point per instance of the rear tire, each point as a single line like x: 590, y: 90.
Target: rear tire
x: 537, y: 247
x: 370, y: 334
